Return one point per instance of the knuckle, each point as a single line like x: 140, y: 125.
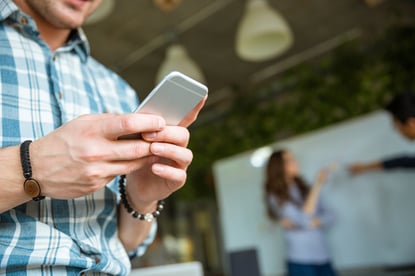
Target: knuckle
x: 92, y: 174
x: 92, y: 182
x: 127, y: 123
x: 155, y: 123
x: 91, y: 155
x: 140, y: 149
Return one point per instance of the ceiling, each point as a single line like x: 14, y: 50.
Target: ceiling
x: 133, y: 39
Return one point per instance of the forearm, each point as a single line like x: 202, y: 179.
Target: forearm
x: 11, y: 179
x: 310, y: 204
x: 366, y: 167
x: 374, y: 166
x: 132, y: 231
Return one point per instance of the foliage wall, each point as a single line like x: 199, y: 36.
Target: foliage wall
x: 357, y: 78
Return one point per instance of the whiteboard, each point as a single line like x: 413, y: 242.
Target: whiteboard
x: 375, y: 220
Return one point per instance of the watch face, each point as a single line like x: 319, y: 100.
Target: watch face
x: 32, y: 187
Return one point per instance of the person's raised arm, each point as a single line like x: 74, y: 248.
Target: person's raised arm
x: 358, y: 168
x: 403, y: 162
x: 311, y: 201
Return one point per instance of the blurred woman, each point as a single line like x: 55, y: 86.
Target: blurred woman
x: 297, y: 208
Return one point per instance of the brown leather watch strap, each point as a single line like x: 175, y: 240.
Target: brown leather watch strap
x: 31, y: 186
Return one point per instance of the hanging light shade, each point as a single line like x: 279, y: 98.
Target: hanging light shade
x: 263, y: 32
x: 373, y: 3
x: 177, y: 59
x: 103, y: 10
x: 167, y: 5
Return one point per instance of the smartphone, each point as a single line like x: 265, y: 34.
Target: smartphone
x: 173, y: 98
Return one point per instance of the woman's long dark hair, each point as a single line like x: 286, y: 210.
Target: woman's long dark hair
x: 276, y: 182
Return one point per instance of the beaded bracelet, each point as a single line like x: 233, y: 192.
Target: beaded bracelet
x: 147, y: 217
x: 31, y: 186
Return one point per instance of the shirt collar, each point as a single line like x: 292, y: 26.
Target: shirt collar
x: 7, y: 8
x: 77, y: 41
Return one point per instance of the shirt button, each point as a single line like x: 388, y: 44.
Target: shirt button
x: 60, y: 95
x: 54, y: 57
x: 23, y: 20
x: 97, y: 260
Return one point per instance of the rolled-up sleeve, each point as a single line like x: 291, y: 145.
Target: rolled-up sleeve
x: 399, y: 162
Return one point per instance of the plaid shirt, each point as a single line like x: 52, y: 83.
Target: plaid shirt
x: 40, y: 91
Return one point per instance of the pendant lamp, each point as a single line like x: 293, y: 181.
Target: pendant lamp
x: 263, y: 32
x: 167, y: 5
x: 177, y: 59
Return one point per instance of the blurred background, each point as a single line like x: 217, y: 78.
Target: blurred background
x: 276, y: 70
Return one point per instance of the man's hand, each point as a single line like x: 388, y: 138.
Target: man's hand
x: 83, y: 155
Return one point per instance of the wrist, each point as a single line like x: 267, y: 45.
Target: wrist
x: 134, y: 198
x: 147, y: 212
x: 141, y: 207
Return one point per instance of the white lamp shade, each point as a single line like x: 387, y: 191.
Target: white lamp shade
x: 167, y: 5
x: 177, y: 59
x: 263, y: 33
x: 103, y: 10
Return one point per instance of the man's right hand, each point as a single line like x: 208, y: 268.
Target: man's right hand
x: 83, y: 155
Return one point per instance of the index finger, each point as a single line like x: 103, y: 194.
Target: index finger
x: 132, y: 123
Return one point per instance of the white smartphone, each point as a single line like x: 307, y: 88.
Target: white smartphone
x: 173, y: 98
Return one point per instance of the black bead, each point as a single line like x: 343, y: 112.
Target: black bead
x: 135, y: 214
